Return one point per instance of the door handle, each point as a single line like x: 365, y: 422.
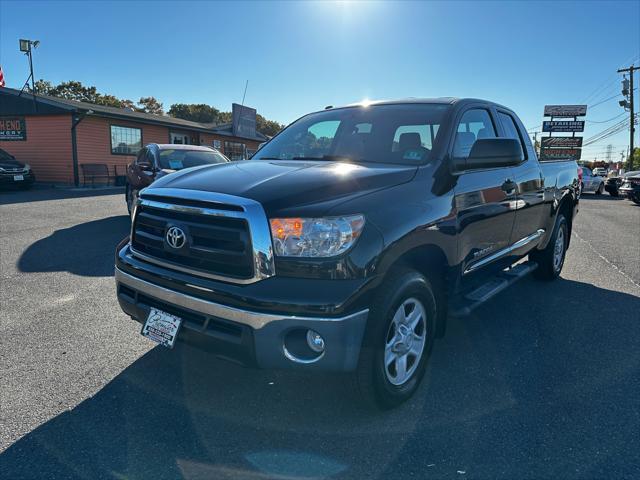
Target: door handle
x: 509, y: 186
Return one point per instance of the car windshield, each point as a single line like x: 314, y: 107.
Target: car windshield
x: 5, y: 155
x: 394, y: 133
x: 177, y: 159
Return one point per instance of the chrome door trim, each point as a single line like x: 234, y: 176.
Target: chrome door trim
x: 255, y: 320
x: 252, y: 212
x: 505, y: 251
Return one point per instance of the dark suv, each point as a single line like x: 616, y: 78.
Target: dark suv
x: 157, y: 160
x: 15, y: 173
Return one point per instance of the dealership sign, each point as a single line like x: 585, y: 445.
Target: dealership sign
x: 565, y: 110
x: 563, y: 126
x: 560, y: 153
x: 561, y: 142
x: 13, y: 128
x: 244, y: 121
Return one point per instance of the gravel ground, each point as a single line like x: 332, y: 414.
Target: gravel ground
x: 542, y: 382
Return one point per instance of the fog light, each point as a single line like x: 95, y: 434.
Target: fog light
x: 315, y: 341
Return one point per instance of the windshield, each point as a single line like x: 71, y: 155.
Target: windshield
x: 178, y: 159
x: 401, y: 134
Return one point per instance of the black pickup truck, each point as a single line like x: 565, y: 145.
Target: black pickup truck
x: 348, y: 239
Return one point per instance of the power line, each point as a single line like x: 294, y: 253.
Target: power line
x: 606, y: 121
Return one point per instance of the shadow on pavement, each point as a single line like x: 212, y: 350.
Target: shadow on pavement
x: 41, y: 194
x: 603, y: 197
x: 86, y: 249
x: 520, y: 389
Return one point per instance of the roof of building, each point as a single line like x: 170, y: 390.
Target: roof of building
x: 25, y: 103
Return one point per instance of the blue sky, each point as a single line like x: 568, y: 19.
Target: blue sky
x: 302, y: 56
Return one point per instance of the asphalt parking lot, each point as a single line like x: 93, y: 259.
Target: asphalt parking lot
x: 542, y: 382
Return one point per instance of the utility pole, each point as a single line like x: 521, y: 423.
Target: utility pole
x: 624, y: 104
x: 535, y: 142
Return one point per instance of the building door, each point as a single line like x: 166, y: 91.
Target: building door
x: 179, y: 138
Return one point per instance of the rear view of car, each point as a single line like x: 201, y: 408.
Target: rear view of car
x: 14, y: 173
x: 630, y: 187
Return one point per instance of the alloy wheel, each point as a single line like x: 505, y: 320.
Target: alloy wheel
x: 405, y: 341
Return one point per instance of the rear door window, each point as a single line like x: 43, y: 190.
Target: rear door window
x: 511, y: 130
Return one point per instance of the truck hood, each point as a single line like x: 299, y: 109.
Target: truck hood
x: 283, y: 185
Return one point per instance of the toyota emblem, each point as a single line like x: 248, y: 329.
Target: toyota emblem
x: 176, y: 237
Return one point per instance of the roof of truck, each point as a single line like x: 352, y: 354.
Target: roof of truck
x: 438, y: 100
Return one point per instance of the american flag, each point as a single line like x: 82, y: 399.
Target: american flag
x: 1, y: 77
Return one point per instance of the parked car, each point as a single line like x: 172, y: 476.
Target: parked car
x: 591, y: 183
x: 157, y: 160
x: 630, y: 187
x: 613, y: 184
x: 600, y: 172
x: 15, y: 173
x: 347, y: 240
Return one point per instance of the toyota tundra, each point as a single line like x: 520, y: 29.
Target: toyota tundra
x: 349, y: 239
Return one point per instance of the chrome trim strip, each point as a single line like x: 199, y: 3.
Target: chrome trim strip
x: 255, y: 320
x: 505, y: 251
x: 259, y: 230
x: 295, y: 359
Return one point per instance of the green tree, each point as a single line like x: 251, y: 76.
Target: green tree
x: 635, y: 160
x: 267, y: 127
x: 43, y: 87
x: 200, y: 112
x: 150, y: 105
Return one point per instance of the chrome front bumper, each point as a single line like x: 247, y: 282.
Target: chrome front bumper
x: 342, y: 335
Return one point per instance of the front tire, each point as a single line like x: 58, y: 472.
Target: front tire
x: 398, y: 340
x: 551, y: 260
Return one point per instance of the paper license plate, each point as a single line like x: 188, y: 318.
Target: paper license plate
x: 18, y: 178
x: 161, y: 327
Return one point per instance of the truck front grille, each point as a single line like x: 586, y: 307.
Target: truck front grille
x: 218, y: 236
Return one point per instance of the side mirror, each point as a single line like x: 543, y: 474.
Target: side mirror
x: 147, y: 167
x: 494, y: 153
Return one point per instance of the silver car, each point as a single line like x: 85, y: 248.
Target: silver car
x: 592, y: 183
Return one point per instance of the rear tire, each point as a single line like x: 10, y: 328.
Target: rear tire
x: 398, y: 340
x: 551, y: 260
x: 600, y: 189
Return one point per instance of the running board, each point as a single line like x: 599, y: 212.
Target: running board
x: 491, y: 288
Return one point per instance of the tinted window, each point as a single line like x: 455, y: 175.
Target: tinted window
x: 473, y: 125
x: 179, y: 159
x: 401, y: 134
x: 511, y: 131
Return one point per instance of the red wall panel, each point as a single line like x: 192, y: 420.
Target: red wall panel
x: 47, y: 148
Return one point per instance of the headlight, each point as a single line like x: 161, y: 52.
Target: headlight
x: 315, y: 237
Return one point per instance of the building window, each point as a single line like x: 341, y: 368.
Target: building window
x: 125, y: 140
x: 234, y: 150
